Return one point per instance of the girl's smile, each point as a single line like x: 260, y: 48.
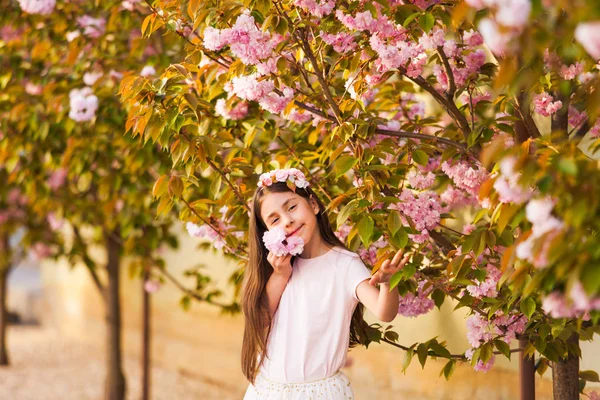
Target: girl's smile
x: 296, y: 231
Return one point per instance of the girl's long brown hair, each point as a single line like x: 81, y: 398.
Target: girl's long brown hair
x: 257, y: 325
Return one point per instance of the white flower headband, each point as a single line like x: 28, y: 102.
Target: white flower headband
x: 291, y: 175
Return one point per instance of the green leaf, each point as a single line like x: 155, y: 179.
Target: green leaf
x: 345, y: 212
x: 344, y: 164
x: 426, y: 22
x: 449, y: 369
x: 503, y: 347
x: 215, y: 187
x: 396, y: 279
x: 408, y: 355
x: 422, y: 353
x: 400, y: 239
x: 420, y: 157
x: 438, y: 298
x: 394, y: 222
x: 440, y: 350
x: 528, y: 306
x: 365, y: 230
x: 590, y: 376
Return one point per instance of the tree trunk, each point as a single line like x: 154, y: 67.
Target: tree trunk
x: 565, y: 375
x: 4, y: 270
x: 527, y: 370
x: 115, y: 379
x: 146, y: 325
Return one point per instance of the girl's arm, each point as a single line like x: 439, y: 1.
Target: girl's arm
x: 382, y: 302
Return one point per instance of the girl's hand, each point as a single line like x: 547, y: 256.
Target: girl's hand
x: 281, y: 264
x: 387, y: 269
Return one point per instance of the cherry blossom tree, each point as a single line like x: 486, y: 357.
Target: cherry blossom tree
x: 461, y: 131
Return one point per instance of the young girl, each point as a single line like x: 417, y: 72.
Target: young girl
x: 303, y: 312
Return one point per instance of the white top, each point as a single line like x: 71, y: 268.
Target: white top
x: 311, y: 328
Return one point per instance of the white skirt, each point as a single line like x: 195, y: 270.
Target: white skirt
x: 336, y: 387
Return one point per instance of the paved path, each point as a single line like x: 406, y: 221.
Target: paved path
x: 46, y: 367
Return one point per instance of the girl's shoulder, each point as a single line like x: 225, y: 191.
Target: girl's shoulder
x: 344, y: 255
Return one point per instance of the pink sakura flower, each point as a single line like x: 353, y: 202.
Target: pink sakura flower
x: 277, y: 243
x: 42, y: 7
x: 92, y: 27
x: 594, y: 395
x: 420, y: 181
x: 595, y: 130
x: 207, y: 231
x: 83, y: 104
x: 147, y: 71
x: 413, y: 305
x: 298, y: 116
x: 341, y: 42
x: 343, y: 232
x: 544, y: 105
x: 588, y: 34
x: 55, y: 223
x: 152, y: 286
x: 494, y: 38
x: 487, y: 288
x: 472, y: 38
x: 480, y: 366
x: 464, y: 176
x: 317, y: 8
x: 239, y: 111
x: 248, y: 87
x: 570, y: 72
x: 33, y: 89
x: 57, y: 178
x: 576, y: 118
x: 89, y: 78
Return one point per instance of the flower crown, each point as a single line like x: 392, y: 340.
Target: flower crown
x: 293, y: 176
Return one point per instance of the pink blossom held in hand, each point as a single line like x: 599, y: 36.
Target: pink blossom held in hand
x: 83, y: 104
x: 43, y: 7
x: 92, y: 27
x: 588, y: 34
x: 57, y: 178
x: 277, y: 243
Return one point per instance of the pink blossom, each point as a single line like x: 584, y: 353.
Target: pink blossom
x: 494, y: 38
x: 480, y: 366
x: 424, y: 210
x: 420, y: 181
x: 213, y: 40
x: 83, y: 104
x: 42, y: 7
x: 152, y: 286
x: 595, y: 130
x: 55, y: 223
x: 480, y: 330
x: 588, y: 34
x: 343, y: 232
x: 412, y: 305
x: 544, y: 105
x: 594, y: 395
x: 275, y: 103
x: 89, y: 78
x: 57, y: 178
x: 70, y: 36
x: 513, y: 13
x: 276, y: 242
x: 570, y: 72
x: 298, y: 116
x: 248, y: 87
x: 487, y: 288
x: 472, y: 38
x: 464, y: 176
x: 509, y: 191
x: 468, y: 228
x: 33, y: 89
x: 319, y: 8
x: 369, y: 255
x: 92, y: 27
x: 245, y: 40
x: 147, y: 71
x: 341, y: 42
x: 576, y: 118
x: 129, y: 5
x: 239, y: 111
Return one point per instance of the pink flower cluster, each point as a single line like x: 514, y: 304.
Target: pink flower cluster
x: 420, y: 181
x: 277, y: 243
x: 480, y: 366
x: 454, y: 198
x: 507, y: 184
x: 152, y: 285
x: 245, y: 40
x: 293, y: 175
x: 57, y: 178
x: 538, y: 212
x: 578, y: 305
x: 413, y: 305
x: 544, y: 105
x: 248, y: 87
x: 83, y: 104
x: 369, y: 255
x: 570, y: 72
x: 239, y: 111
x: 424, y: 210
x: 342, y: 42
x: 42, y: 7
x: 207, y: 231
x: 489, y: 287
x: 92, y: 27
x: 464, y: 176
x: 317, y: 8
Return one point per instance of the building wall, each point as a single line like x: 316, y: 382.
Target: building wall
x: 204, y: 343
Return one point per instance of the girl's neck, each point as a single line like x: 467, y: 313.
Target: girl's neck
x: 315, y: 247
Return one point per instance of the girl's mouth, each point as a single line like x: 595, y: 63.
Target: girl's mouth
x: 296, y: 231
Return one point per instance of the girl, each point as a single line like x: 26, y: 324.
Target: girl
x: 303, y: 312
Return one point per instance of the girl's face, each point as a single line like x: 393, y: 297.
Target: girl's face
x: 290, y: 212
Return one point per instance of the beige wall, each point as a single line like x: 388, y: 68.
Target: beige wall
x: 206, y: 344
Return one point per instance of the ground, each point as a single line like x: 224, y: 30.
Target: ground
x: 44, y: 366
